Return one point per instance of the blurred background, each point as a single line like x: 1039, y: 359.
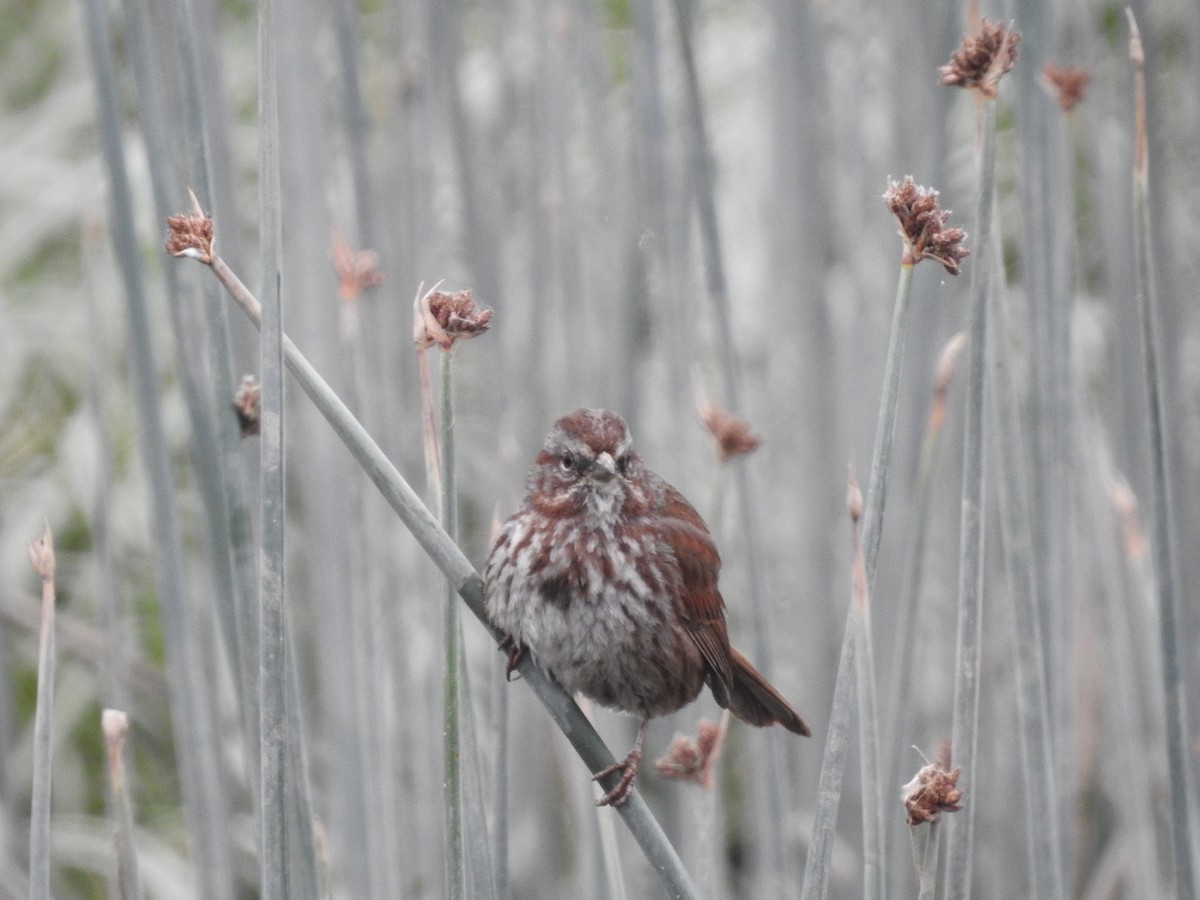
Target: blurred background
x: 666, y: 205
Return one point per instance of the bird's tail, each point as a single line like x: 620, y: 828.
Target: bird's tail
x: 752, y: 698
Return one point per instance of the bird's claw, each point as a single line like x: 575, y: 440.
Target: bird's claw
x: 516, y: 652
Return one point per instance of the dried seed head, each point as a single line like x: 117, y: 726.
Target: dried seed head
x: 357, y: 270
x: 1066, y: 84
x: 732, y: 434
x: 247, y: 405
x: 693, y: 759
x: 41, y: 555
x: 440, y: 318
x: 923, y: 225
x: 854, y: 498
x: 191, y: 234
x: 982, y: 58
x: 932, y: 792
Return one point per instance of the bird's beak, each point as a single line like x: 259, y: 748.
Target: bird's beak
x: 603, y: 467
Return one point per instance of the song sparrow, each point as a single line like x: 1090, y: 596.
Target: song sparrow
x: 608, y: 577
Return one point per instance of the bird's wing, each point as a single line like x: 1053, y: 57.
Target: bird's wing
x: 701, y: 607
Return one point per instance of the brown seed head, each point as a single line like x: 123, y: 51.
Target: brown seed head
x: 41, y: 555
x: 923, y: 225
x: 440, y: 318
x: 191, y: 234
x: 247, y: 405
x: 693, y: 759
x: 1066, y: 84
x: 357, y: 270
x: 932, y: 792
x: 982, y: 58
x: 732, y: 434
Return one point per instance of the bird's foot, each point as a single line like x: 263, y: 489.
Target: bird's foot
x: 628, y: 768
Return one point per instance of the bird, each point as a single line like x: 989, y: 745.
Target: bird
x: 607, y: 576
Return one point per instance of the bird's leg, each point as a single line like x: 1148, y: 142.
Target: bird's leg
x: 628, y: 769
x: 516, y: 652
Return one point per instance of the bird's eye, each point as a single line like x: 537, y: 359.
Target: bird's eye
x: 567, y: 461
x: 623, y: 465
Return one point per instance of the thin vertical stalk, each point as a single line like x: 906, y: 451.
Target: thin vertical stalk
x: 868, y: 713
x: 195, y: 741
x: 1164, y: 538
x: 433, y: 463
x: 478, y: 843
x: 275, y: 848
x: 900, y: 699
x: 469, y: 857
x: 927, y: 874
x: 834, y: 758
x: 41, y: 555
x: 965, y: 731
x: 874, y: 830
x: 306, y: 883
x: 885, y: 428
x: 500, y: 794
x: 451, y: 751
x: 833, y: 769
x: 1051, y: 478
x: 115, y: 725
x: 1033, y: 712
